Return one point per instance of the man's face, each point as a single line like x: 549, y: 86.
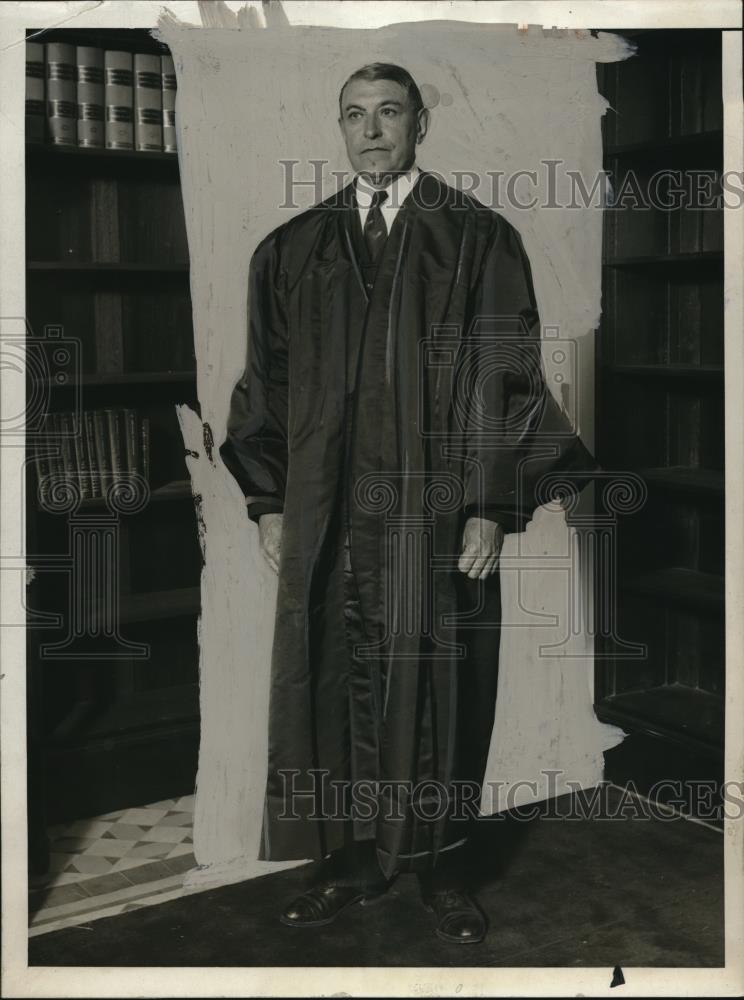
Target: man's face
x: 380, y: 127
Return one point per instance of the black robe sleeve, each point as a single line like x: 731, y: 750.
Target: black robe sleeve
x: 255, y: 449
x: 515, y: 432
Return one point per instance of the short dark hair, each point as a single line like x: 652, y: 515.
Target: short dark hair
x: 386, y: 71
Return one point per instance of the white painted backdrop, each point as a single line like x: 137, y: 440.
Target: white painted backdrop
x: 248, y: 98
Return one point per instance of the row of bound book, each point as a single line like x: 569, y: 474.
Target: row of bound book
x: 93, y: 450
x: 81, y: 95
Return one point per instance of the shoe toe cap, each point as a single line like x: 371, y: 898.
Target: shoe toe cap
x: 464, y: 927
x: 295, y: 913
x: 302, y: 909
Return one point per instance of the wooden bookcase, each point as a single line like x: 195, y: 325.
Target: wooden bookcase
x: 108, y: 268
x: 660, y: 410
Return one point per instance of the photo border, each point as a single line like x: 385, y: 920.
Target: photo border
x: 21, y: 981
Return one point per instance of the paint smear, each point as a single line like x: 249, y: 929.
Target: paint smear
x: 504, y: 100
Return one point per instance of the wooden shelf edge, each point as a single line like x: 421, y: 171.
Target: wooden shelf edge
x: 632, y: 723
x: 692, y: 141
x: 677, y: 585
x: 163, y: 707
x: 157, y: 605
x: 47, y: 149
x: 707, y: 372
x: 112, y: 379
x: 683, y: 479
x: 107, y: 267
x: 97, y: 742
x: 177, y: 489
x: 665, y: 260
x: 631, y: 711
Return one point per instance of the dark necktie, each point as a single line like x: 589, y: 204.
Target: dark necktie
x: 375, y: 230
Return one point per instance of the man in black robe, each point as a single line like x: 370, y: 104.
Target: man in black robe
x: 391, y: 424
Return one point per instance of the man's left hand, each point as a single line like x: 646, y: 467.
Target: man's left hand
x: 481, y: 546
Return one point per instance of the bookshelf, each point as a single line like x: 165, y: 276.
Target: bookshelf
x: 659, y: 411
x: 111, y: 726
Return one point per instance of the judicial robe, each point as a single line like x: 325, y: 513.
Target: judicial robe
x: 377, y: 411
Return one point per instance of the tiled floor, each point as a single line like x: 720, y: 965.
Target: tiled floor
x: 614, y: 890
x: 112, y: 864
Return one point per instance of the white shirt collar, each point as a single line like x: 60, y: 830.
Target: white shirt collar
x: 398, y: 190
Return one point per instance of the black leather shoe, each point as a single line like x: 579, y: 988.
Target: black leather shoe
x: 322, y: 903
x: 459, y: 921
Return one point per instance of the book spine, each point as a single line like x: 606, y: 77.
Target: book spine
x: 43, y: 468
x: 69, y: 470
x: 81, y: 457
x: 690, y: 116
x: 93, y: 459
x: 61, y: 93
x: 35, y: 108
x: 689, y: 222
x: 168, y: 75
x: 100, y: 435
x: 114, y: 439
x: 90, y: 97
x: 713, y: 219
x: 145, y: 449
x: 118, y: 96
x: 132, y: 439
x: 56, y: 465
x: 712, y: 109
x: 148, y: 103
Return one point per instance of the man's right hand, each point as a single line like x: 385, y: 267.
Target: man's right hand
x: 270, y: 538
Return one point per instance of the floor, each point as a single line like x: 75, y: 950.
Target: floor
x: 610, y: 891
x: 113, y: 864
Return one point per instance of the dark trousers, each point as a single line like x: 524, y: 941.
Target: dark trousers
x: 356, y: 861
x: 352, y: 857
x: 356, y: 865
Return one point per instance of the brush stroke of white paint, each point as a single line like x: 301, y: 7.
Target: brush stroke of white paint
x: 247, y: 99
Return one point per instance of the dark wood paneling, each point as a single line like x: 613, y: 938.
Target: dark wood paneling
x: 107, y: 260
x: 118, y: 772
x: 660, y: 407
x: 164, y: 550
x: 682, y: 773
x: 152, y: 221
